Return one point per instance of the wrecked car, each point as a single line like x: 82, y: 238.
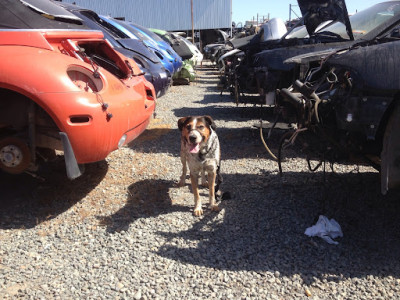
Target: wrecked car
x: 129, y: 31
x: 261, y: 70
x: 197, y: 55
x: 348, y: 108
x: 180, y: 48
x: 78, y: 96
x: 150, y: 37
x: 192, y: 55
x: 145, y: 58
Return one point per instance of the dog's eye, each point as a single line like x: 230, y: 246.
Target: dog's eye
x: 201, y: 127
x: 188, y: 127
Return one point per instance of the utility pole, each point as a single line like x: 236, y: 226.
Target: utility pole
x: 231, y: 21
x: 290, y: 12
x: 191, y: 8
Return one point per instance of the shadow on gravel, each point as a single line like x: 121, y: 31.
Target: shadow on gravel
x: 26, y: 201
x: 147, y: 198
x: 234, y: 113
x: 207, y: 79
x: 264, y: 223
x: 158, y: 140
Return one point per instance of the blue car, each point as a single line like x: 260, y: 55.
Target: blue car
x: 146, y: 34
x: 164, y: 57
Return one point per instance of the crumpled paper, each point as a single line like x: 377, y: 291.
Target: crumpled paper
x: 325, y: 229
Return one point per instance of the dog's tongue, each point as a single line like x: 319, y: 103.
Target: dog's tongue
x: 194, y: 148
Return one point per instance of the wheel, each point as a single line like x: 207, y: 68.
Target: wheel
x: 390, y: 157
x: 15, y: 155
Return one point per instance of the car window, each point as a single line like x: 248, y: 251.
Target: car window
x: 119, y: 27
x: 149, y: 33
x: 298, y: 32
x: 139, y: 35
x: 366, y: 20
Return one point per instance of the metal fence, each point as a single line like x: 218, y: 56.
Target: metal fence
x: 171, y: 15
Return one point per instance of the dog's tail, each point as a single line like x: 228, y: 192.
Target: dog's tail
x: 220, y: 196
x: 219, y: 179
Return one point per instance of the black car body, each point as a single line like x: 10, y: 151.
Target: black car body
x: 349, y: 107
x: 261, y: 70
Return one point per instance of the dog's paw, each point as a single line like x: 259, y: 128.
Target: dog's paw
x: 198, y: 212
x: 181, y: 183
x: 204, y: 184
x: 215, y: 208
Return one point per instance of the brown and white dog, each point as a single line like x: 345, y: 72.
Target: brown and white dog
x: 200, y: 149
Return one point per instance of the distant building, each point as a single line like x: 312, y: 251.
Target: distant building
x: 171, y: 15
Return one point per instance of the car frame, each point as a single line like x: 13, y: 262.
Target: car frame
x: 347, y: 108
x: 262, y: 68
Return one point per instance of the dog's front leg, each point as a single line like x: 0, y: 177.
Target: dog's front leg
x: 194, y: 178
x: 211, y: 188
x: 203, y: 178
x: 184, y: 171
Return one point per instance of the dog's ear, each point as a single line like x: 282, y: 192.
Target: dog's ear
x: 181, y: 122
x: 210, y: 122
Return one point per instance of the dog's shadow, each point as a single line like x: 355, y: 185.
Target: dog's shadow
x: 146, y: 198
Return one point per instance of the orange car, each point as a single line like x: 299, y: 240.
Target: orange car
x: 67, y: 90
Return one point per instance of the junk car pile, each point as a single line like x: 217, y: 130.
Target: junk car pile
x: 334, y: 79
x: 74, y: 81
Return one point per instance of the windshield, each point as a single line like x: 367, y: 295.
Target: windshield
x: 298, y: 32
x: 140, y: 35
x: 366, y: 20
x: 151, y: 34
x: 119, y: 26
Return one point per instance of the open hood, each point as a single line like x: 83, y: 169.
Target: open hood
x: 316, y: 12
x: 241, y: 42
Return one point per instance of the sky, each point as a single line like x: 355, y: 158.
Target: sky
x: 245, y: 10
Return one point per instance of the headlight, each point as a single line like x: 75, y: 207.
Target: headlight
x: 163, y: 75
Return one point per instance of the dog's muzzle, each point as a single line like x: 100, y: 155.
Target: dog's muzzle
x: 194, y: 140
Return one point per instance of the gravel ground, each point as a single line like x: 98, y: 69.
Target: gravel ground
x: 125, y: 231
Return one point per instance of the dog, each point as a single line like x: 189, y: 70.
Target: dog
x: 200, y: 150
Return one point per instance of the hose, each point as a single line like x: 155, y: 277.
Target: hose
x: 265, y: 144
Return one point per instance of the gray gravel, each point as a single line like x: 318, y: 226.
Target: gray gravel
x: 125, y: 231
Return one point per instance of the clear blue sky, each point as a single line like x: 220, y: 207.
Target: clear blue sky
x: 245, y: 10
